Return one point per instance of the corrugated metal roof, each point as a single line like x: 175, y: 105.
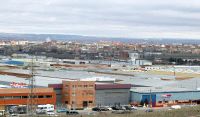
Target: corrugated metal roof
x: 112, y: 86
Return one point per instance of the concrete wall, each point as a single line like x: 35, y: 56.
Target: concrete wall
x: 110, y: 97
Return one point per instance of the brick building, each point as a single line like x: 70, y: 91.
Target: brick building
x: 78, y: 94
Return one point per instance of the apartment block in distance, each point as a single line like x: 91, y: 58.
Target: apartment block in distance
x: 78, y: 94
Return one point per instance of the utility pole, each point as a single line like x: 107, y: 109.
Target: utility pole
x: 150, y: 99
x: 31, y: 96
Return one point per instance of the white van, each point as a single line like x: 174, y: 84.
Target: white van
x: 176, y: 107
x: 45, y: 108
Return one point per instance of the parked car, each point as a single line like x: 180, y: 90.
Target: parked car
x: 72, y: 112
x: 104, y: 109
x: 17, y: 109
x: 96, y: 109
x: 109, y: 108
x: 149, y: 110
x: 62, y: 110
x: 118, y: 108
x: 128, y: 108
x: 114, y: 108
x: 134, y: 107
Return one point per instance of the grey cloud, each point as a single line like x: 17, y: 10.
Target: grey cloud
x: 154, y: 18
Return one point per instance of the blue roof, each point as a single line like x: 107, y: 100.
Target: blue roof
x: 11, y: 62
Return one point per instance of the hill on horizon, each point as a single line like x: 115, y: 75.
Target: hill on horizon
x: 65, y: 37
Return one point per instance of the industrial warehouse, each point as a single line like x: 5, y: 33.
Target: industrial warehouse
x: 84, y: 94
x: 89, y: 86
x: 160, y: 97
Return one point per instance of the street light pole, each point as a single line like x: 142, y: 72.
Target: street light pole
x: 150, y: 99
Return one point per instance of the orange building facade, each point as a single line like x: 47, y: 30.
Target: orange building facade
x: 78, y: 94
x: 19, y: 96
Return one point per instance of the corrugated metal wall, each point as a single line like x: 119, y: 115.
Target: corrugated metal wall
x: 192, y: 95
x: 112, y: 97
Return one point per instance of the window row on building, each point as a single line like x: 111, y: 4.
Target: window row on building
x: 79, y: 86
x: 24, y: 97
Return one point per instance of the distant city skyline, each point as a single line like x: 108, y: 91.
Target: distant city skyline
x: 104, y: 18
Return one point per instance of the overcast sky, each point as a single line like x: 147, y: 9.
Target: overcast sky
x: 111, y: 18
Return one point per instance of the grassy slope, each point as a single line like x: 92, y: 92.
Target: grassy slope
x: 186, y: 112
